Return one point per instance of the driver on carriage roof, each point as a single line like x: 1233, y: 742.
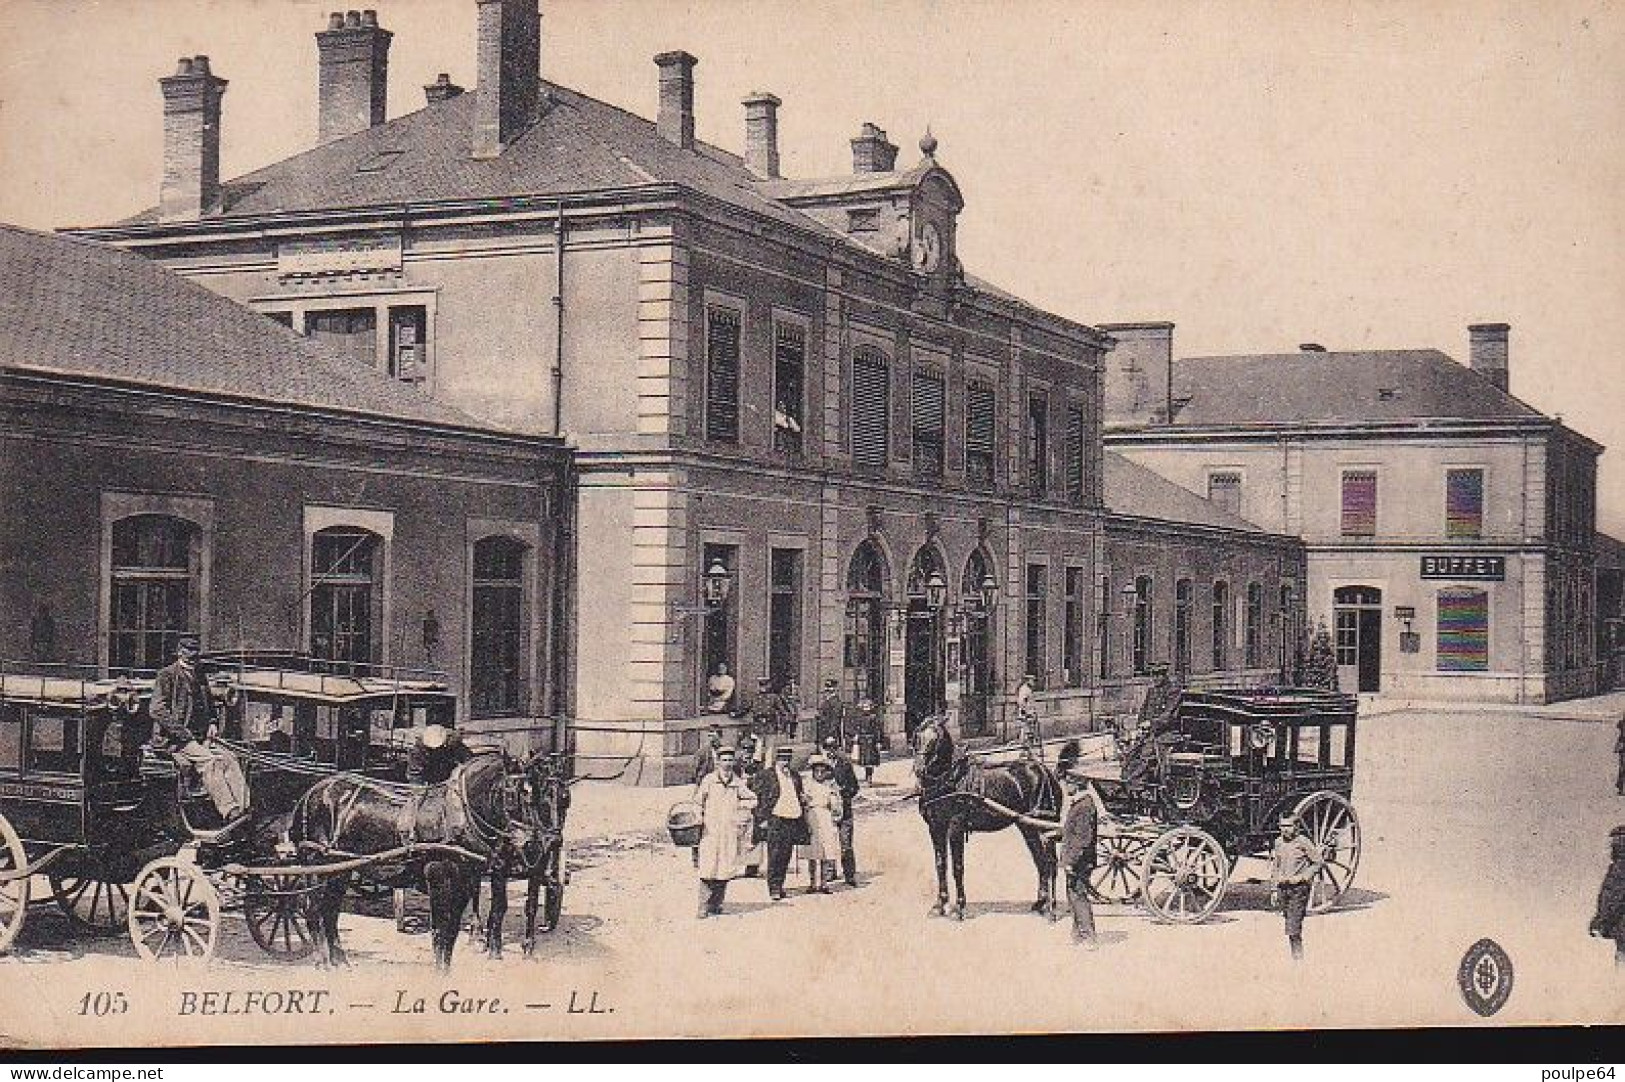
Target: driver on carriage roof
x: 183, y: 710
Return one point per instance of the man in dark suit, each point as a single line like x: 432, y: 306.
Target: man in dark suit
x: 1078, y: 833
x: 780, y: 817
x: 846, y: 780
x: 1609, y: 923
x: 184, y: 713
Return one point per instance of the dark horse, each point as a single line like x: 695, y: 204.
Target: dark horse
x: 955, y: 796
x: 493, y: 816
x: 539, y: 861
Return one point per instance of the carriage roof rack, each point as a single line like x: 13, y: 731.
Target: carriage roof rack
x: 66, y: 684
x: 293, y: 661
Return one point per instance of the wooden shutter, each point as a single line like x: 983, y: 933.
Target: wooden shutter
x: 1464, y: 630
x: 1464, y: 503
x: 1074, y: 454
x: 1360, y: 503
x: 722, y: 375
x: 871, y: 409
x: 928, y: 395
x: 981, y: 427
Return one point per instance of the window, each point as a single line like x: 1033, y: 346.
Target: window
x: 1289, y: 630
x: 1348, y: 637
x: 717, y: 644
x: 1072, y: 628
x: 408, y: 340
x: 155, y: 587
x: 1464, y: 630
x: 981, y: 427
x: 1253, y: 629
x: 1036, y: 641
x: 1464, y: 503
x: 784, y: 618
x: 1103, y: 627
x: 350, y: 331
x: 1359, y: 503
x: 928, y: 422
x: 1142, y: 624
x: 1221, y: 626
x: 865, y: 648
x: 1182, y: 627
x: 1038, y: 443
x: 871, y: 409
x: 497, y: 682
x: 1075, y: 455
x: 722, y: 375
x: 789, y: 382
x: 345, y: 599
x: 1224, y: 489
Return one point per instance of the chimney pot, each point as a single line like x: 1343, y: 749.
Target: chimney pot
x: 190, y: 186
x: 675, y: 121
x: 508, y: 55
x: 442, y: 89
x: 762, y: 134
x: 1487, y: 352
x: 352, y: 87
x: 872, y: 152
x: 1311, y: 347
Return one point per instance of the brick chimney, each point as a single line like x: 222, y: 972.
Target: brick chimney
x: 442, y: 89
x: 353, y: 79
x: 675, y: 121
x: 1138, y: 372
x: 191, y: 184
x: 1487, y: 352
x: 509, y: 59
x: 762, y: 134
x: 872, y: 152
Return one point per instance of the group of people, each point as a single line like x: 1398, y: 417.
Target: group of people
x: 754, y: 813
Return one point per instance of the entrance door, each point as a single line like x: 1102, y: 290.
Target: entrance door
x: 924, y: 686
x: 1358, y: 611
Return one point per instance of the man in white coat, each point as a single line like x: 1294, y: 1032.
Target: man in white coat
x: 725, y: 802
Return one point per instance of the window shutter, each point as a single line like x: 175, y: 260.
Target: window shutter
x: 1074, y: 454
x: 1464, y: 503
x: 1360, y: 503
x: 927, y: 409
x: 1224, y: 489
x: 722, y: 375
x: 871, y: 409
x: 1464, y: 631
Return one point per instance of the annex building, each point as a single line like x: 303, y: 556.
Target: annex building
x: 1450, y: 528
x: 172, y: 463
x: 808, y: 442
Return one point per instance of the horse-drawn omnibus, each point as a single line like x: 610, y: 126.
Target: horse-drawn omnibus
x: 1208, y: 785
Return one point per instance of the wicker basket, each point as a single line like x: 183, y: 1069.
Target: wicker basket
x: 683, y: 824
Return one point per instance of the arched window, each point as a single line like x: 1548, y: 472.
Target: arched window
x: 1221, y: 626
x: 497, y: 665
x: 864, y: 660
x: 155, y: 591
x: 346, y: 597
x: 1253, y: 631
x: 1182, y: 628
x: 1142, y: 623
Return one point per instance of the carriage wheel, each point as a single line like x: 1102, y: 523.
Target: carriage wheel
x: 1184, y: 875
x: 274, y: 909
x: 13, y: 892
x: 1115, y: 878
x: 1328, y: 820
x: 174, y: 912
x: 99, y: 906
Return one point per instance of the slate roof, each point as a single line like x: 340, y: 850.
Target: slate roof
x: 81, y: 308
x: 1132, y: 489
x: 580, y: 144
x: 1307, y: 387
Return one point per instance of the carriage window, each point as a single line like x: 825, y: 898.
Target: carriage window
x: 53, y: 743
x: 11, y: 737
x: 268, y: 725
x: 1309, y: 744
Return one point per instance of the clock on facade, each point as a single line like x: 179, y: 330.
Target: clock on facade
x: 928, y: 248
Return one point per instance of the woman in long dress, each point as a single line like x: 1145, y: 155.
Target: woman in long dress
x: 725, y: 802
x: 822, y: 801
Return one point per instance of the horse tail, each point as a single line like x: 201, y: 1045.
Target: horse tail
x: 1070, y: 753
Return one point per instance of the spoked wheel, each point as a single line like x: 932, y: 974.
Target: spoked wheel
x: 174, y: 912
x: 1328, y: 820
x: 13, y: 891
x: 1115, y: 877
x: 1184, y: 875
x: 274, y: 909
x: 99, y: 906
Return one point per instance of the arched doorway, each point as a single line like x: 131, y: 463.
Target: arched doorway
x: 978, y: 593
x: 924, y: 644
x: 864, y: 659
x: 1358, y: 613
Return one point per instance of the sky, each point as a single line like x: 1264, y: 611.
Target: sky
x: 1363, y: 174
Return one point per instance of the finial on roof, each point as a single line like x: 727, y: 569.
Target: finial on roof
x: 928, y: 143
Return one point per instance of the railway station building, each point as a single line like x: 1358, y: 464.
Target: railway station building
x: 808, y: 443
x: 173, y: 463
x: 1450, y: 528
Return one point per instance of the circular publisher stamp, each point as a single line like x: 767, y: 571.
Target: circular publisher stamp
x: 1485, y: 977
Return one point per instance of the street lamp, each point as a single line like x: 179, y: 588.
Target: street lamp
x: 936, y: 591
x: 988, y: 589
x: 716, y: 585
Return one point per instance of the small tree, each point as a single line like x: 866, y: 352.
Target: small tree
x: 1320, y: 667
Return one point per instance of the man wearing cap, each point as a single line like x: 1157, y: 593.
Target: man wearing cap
x: 846, y: 782
x: 1296, y: 863
x: 184, y: 712
x: 1078, y: 834
x: 705, y: 761
x: 725, y: 800
x: 780, y: 817
x: 832, y: 715
x: 747, y: 766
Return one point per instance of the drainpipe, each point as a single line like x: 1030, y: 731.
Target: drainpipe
x: 558, y: 321
x: 1523, y: 574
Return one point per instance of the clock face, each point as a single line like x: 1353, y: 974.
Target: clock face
x: 928, y: 248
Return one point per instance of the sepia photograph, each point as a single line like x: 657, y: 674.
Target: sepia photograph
x: 582, y: 520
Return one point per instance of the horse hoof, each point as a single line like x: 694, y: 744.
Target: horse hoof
x: 959, y: 913
x: 934, y: 911
x: 1040, y: 905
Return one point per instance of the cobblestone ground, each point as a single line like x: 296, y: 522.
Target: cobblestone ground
x: 1474, y: 825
